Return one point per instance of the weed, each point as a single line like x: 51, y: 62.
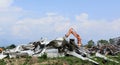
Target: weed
x: 2, y: 62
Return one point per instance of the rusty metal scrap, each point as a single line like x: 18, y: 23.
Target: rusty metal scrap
x: 105, y: 49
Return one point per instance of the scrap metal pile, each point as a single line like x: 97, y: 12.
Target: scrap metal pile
x: 60, y: 47
x: 105, y: 49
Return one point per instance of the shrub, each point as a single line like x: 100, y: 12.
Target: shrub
x: 2, y: 62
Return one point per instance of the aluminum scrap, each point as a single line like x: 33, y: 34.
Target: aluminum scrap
x: 59, y: 47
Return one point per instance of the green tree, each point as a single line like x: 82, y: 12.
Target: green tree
x: 90, y: 43
x: 111, y: 41
x: 11, y: 46
x: 103, y: 42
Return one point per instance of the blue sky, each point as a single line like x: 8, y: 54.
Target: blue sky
x: 23, y: 21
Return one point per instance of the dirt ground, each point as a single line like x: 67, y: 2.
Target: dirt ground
x: 33, y: 61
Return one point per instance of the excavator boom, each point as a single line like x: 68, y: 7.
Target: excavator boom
x: 1, y: 50
x: 72, y: 31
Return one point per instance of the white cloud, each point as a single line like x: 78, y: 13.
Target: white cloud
x: 9, y: 14
x: 97, y: 29
x: 46, y: 25
x: 21, y: 31
x: 62, y: 26
x: 59, y: 25
x: 51, y: 14
x: 82, y: 17
x: 12, y: 9
x: 1, y: 31
x: 5, y: 3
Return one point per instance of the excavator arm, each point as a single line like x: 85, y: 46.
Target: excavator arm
x: 1, y: 50
x: 72, y: 31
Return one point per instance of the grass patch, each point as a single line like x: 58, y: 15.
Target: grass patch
x: 2, y: 62
x: 68, y: 60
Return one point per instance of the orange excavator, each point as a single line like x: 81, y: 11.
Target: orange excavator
x: 72, y: 31
x: 1, y: 50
